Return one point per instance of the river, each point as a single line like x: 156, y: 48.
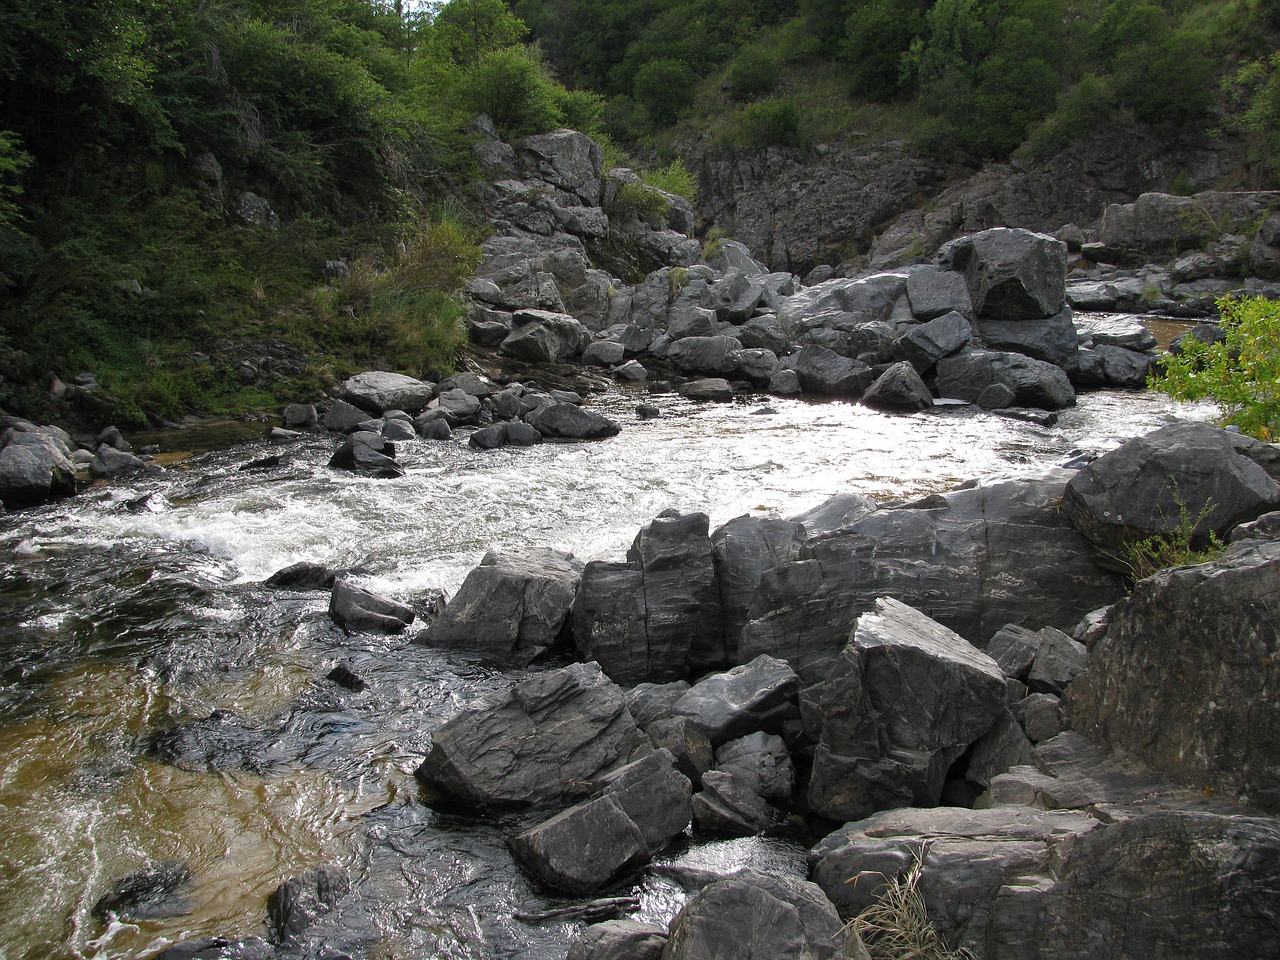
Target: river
x: 137, y: 606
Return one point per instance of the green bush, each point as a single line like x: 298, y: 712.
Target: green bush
x: 1184, y: 545
x: 675, y: 178
x: 752, y: 75
x: 665, y: 88
x: 512, y: 87
x: 1241, y: 375
x: 769, y: 123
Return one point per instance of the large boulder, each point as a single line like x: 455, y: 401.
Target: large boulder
x: 35, y: 468
x: 356, y: 609
x: 1182, y: 479
x: 367, y: 454
x: 510, y: 603
x: 707, y: 355
x: 298, y: 903
x: 997, y: 552
x: 633, y: 813
x: 924, y: 344
x: 1012, y: 274
x: 543, y: 336
x: 899, y: 389
x: 825, y: 372
x: 757, y: 696
x: 619, y: 940
x: 903, y: 701
x: 1035, y: 383
x: 934, y: 292
x: 743, y: 549
x: 547, y: 740
x: 378, y: 391
x: 565, y: 159
x: 755, y: 916
x: 569, y: 421
x: 1186, y: 674
x: 1157, y: 224
x: 869, y: 298
x: 1053, y: 339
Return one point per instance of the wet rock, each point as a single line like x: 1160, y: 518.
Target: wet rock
x: 903, y: 701
x: 824, y: 372
x: 1183, y: 676
x: 219, y: 741
x: 303, y: 575
x: 899, y: 389
x: 1035, y: 383
x: 1117, y: 331
x: 619, y: 940
x: 997, y: 552
x: 728, y: 806
x: 456, y: 407
x: 568, y: 421
x: 754, y: 914
x: 542, y: 336
x: 152, y: 893
x: 505, y: 434
x: 378, y: 391
x: 1124, y: 368
x: 219, y: 948
x: 399, y: 430
x: 1052, y: 339
x: 343, y: 417
x: 358, y: 610
x: 708, y: 389
x: 368, y: 455
x: 634, y: 813
x: 436, y: 430
x: 760, y: 761
x: 1012, y: 274
x: 34, y: 469
x: 545, y: 741
x: 510, y: 603
x: 346, y: 678
x: 1144, y: 488
x: 743, y: 549
x: 298, y: 903
x: 835, y: 512
x: 925, y: 344
x: 759, y: 695
x: 109, y: 463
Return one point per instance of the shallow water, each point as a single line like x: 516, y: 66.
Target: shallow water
x: 137, y: 606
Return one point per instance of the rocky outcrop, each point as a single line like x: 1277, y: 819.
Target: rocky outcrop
x: 35, y: 467
x: 545, y: 741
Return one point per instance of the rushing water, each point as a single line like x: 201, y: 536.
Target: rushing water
x: 138, y: 606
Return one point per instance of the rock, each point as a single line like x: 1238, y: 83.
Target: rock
x: 997, y: 552
x: 632, y: 371
x: 1206, y: 333
x: 708, y: 389
x: 568, y: 421
x: 566, y: 159
x: 303, y: 575
x: 736, y: 295
x: 436, y: 430
x: 377, y: 392
x: 1035, y: 383
x: 153, y: 893
x: 619, y: 940
x: 298, y: 903
x: 728, y: 806
x: 756, y: 365
x: 34, y: 469
x: 903, y: 701
x: 346, y: 678
x: 542, y: 336
x: 109, y: 463
x: 362, y: 611
x: 758, y: 696
x: 785, y: 383
x: 822, y: 371
x: 545, y: 741
x: 899, y: 389
x: 1004, y: 746
x: 506, y: 434
x: 868, y: 298
x: 633, y: 814
x: 692, y: 322
x: 1040, y: 716
x: 743, y: 549
x: 761, y: 762
x: 368, y: 455
x: 1183, y: 474
x: 111, y: 436
x: 729, y: 255
x: 510, y: 603
x: 399, y: 430
x: 1116, y: 331
x: 218, y: 742
x: 835, y: 512
x: 219, y: 948
x: 686, y: 742
x: 1014, y: 648
x: 923, y: 345
x: 1183, y: 676
x: 766, y: 332
x: 754, y: 914
x: 1157, y: 223
x: 1124, y: 368
x: 603, y: 353
x: 1012, y: 274
x: 1059, y: 660
x: 343, y: 417
x: 705, y: 355
x: 456, y: 407
x: 609, y: 625
x: 934, y: 292
x: 1052, y: 339
x: 650, y: 703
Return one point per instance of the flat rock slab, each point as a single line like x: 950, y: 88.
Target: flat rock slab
x: 379, y: 391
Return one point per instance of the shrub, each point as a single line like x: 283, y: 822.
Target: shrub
x: 1153, y: 554
x: 752, y: 75
x: 1241, y: 375
x: 769, y: 123
x: 664, y: 87
x: 512, y: 87
x: 675, y: 178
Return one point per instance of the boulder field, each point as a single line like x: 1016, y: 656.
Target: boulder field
x: 962, y: 685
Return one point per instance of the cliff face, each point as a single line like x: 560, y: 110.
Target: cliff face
x: 881, y: 205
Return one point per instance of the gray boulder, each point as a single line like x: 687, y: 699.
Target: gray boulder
x: 1035, y: 383
x: 565, y: 159
x: 379, y: 391
x: 835, y: 512
x: 762, y: 762
x: 603, y: 353
x: 298, y: 903
x: 510, y: 603
x: 547, y: 740
x: 1053, y: 339
x: 367, y: 454
x: 705, y: 355
x: 109, y: 462
x: 755, y: 915
x: 543, y: 336
x: 505, y: 434
x: 1146, y: 486
x: 343, y: 417
x: 1122, y: 367
x: 1014, y: 648
x: 765, y: 332
x: 1183, y: 675
x: 728, y: 806
x: 300, y: 416
x: 925, y: 344
x: 756, y: 365
x: 1058, y: 661
x: 743, y: 549
x: 1116, y: 331
x: 825, y: 372
x: 869, y: 298
x: 356, y: 609
x: 998, y: 552
x: 760, y: 695
x: 619, y: 940
x: 633, y: 813
x: 686, y: 743
x: 35, y: 468
x: 899, y: 389
x: 707, y: 390
x: 568, y: 421
x: 903, y: 701
x: 609, y: 626
x: 1012, y: 274
x: 934, y: 292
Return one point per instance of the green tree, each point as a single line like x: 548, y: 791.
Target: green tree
x: 512, y: 87
x: 664, y: 88
x: 466, y: 30
x: 876, y: 36
x: 1255, y: 93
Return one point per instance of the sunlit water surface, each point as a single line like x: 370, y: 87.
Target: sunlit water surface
x: 126, y: 617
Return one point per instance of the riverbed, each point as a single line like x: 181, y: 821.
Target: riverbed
x: 138, y: 606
